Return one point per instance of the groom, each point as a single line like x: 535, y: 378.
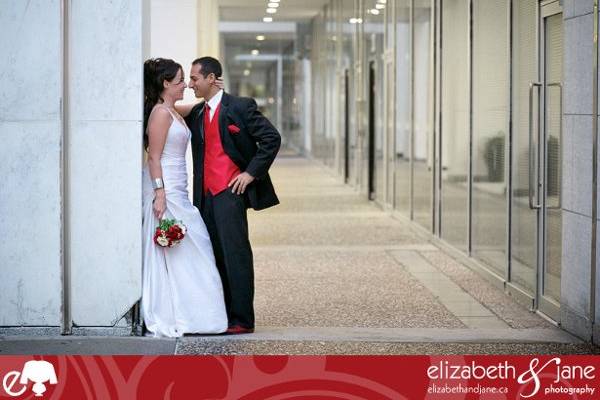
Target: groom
x: 233, y: 146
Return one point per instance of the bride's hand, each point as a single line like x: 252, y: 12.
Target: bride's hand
x: 220, y: 83
x: 159, y: 205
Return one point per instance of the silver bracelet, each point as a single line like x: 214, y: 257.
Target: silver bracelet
x: 158, y: 183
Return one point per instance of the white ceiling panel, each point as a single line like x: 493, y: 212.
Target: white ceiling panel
x: 255, y: 10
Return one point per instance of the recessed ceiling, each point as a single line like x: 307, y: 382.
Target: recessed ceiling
x: 255, y: 10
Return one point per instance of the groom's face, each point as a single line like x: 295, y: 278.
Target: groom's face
x: 199, y: 83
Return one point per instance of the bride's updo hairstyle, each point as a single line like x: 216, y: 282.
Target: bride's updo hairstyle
x: 156, y: 71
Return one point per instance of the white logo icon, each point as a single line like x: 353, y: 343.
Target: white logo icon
x: 36, y: 371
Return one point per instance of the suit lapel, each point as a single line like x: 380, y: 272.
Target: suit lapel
x: 201, y: 123
x: 226, y: 141
x: 223, y: 119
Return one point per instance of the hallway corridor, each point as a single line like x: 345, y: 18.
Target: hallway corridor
x: 337, y: 275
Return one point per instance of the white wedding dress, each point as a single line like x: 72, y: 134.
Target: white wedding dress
x: 181, y: 287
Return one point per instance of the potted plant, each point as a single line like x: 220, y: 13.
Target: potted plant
x: 494, y: 157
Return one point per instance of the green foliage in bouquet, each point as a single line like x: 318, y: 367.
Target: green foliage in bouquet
x: 165, y: 224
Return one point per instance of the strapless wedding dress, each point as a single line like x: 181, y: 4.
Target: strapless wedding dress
x: 181, y: 287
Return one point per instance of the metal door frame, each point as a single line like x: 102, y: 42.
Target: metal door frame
x: 543, y: 304
x: 389, y: 59
x: 346, y: 126
x: 371, y: 131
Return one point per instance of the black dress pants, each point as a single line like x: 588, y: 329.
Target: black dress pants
x: 226, y: 219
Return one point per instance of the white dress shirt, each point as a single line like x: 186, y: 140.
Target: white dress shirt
x: 213, y: 103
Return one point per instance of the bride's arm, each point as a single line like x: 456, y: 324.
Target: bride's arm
x: 185, y: 109
x: 158, y: 126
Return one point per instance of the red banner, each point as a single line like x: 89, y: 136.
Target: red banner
x: 299, y: 377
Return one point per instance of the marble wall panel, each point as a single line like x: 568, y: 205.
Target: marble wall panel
x: 105, y: 74
x: 30, y: 213
x: 30, y: 71
x: 105, y: 215
x: 105, y: 159
x: 576, y: 253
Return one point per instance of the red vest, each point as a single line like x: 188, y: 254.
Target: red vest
x: 219, y: 170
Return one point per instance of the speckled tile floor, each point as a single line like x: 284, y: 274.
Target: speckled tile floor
x: 328, y: 281
x: 273, y: 347
x: 337, y: 275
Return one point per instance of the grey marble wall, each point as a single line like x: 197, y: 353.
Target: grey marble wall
x: 577, y: 166
x: 30, y: 205
x: 105, y: 158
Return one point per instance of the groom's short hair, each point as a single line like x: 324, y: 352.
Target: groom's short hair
x: 209, y: 65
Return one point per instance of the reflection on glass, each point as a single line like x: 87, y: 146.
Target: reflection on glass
x: 389, y: 98
x: 490, y: 115
x: 553, y: 69
x: 348, y: 60
x: 374, y: 29
x: 403, y: 119
x: 423, y: 117
x: 455, y: 122
x: 524, y: 220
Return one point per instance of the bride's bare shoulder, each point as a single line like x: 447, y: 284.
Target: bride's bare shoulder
x: 159, y: 115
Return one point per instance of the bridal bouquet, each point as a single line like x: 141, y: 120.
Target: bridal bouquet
x: 169, y: 233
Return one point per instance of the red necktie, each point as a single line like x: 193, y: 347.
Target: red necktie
x: 207, y: 111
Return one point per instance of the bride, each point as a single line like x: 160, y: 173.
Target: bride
x: 181, y: 287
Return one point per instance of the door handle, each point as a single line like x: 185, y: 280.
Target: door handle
x: 532, y: 190
x: 560, y: 132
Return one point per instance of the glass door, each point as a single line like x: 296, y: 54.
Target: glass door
x: 455, y: 119
x: 402, y: 104
x: 536, y: 234
x: 524, y: 228
x: 551, y: 149
x: 422, y: 104
x: 389, y: 94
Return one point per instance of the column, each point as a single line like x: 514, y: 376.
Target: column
x: 30, y: 129
x: 105, y: 159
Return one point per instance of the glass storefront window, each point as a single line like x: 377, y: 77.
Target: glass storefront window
x: 490, y: 132
x: 403, y: 107
x: 455, y: 122
x: 423, y: 114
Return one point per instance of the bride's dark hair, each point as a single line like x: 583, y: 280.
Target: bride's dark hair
x: 156, y: 71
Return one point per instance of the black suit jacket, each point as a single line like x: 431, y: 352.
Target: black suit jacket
x: 253, y: 149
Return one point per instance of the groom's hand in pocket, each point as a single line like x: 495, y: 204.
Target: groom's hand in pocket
x: 239, y: 184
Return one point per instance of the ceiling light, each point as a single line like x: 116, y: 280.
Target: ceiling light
x: 271, y: 10
x: 374, y: 11
x: 382, y: 1
x: 267, y: 19
x: 273, y: 5
x: 379, y: 6
x: 356, y: 20
x: 255, y: 52
x: 274, y: 1
x: 246, y: 72
x: 260, y: 38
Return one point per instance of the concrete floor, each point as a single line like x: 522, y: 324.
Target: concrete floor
x: 336, y: 275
